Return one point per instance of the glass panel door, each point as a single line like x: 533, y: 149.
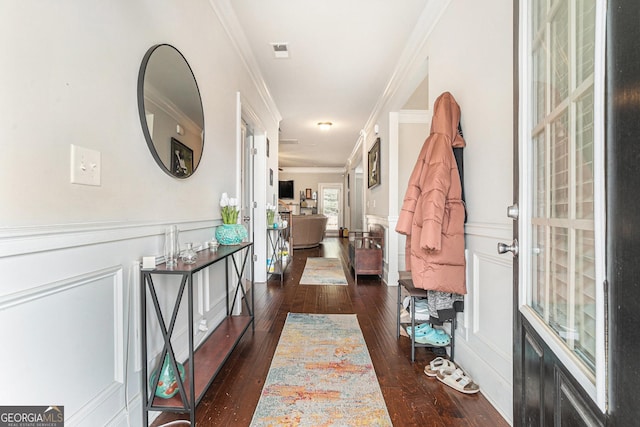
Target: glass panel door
x: 562, y: 252
x: 330, y: 205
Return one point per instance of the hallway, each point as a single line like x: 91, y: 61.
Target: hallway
x: 412, y: 398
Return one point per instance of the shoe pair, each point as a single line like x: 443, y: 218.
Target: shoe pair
x: 423, y: 327
x: 448, y: 373
x: 426, y: 334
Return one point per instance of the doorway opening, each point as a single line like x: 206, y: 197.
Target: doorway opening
x: 330, y: 205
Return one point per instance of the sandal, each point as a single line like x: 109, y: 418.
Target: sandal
x: 457, y: 380
x: 438, y: 364
x: 432, y: 337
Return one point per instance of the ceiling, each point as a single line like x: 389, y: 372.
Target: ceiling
x: 342, y: 55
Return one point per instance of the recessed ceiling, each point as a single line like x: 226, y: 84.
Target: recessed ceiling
x: 341, y: 57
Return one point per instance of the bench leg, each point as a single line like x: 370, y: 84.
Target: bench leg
x: 413, y: 329
x: 398, y: 311
x: 453, y: 335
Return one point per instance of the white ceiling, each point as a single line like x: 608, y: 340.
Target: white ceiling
x: 342, y: 54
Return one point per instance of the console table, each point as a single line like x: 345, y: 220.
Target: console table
x: 204, y: 362
x: 277, y: 261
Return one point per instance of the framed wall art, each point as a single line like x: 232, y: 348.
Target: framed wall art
x: 374, y: 164
x: 181, y: 159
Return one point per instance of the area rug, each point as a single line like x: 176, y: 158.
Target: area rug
x: 321, y: 375
x: 323, y: 271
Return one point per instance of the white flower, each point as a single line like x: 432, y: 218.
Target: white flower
x: 229, y: 209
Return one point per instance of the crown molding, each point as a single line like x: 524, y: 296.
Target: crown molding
x: 410, y: 57
x: 232, y: 27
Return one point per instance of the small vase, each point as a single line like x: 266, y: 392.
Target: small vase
x: 171, y: 246
x: 189, y: 256
x: 231, y: 234
x: 166, y: 385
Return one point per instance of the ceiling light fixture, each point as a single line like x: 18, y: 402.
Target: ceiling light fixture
x: 325, y: 125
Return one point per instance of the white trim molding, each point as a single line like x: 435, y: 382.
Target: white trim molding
x: 313, y: 170
x: 415, y: 116
x: 232, y: 27
x: 27, y: 240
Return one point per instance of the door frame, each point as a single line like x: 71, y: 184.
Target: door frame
x: 245, y: 113
x: 623, y: 204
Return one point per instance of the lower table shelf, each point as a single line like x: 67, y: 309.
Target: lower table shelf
x: 208, y: 360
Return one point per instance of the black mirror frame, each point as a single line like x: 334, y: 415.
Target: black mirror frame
x: 143, y: 116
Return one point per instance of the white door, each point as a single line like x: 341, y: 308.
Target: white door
x: 559, y: 351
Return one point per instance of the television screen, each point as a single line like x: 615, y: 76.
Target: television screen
x: 285, y: 189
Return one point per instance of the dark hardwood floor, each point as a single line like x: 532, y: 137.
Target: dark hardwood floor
x: 412, y: 398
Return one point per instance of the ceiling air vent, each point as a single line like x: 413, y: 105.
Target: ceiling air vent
x: 280, y: 50
x: 288, y: 141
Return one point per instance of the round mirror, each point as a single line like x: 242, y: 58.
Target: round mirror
x: 171, y: 110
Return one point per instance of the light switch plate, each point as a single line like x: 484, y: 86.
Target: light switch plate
x: 85, y: 166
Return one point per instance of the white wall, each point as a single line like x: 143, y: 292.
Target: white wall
x: 474, y: 63
x: 68, y: 252
x: 468, y: 53
x: 411, y: 137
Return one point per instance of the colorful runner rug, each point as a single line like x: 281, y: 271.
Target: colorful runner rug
x: 321, y: 375
x: 323, y: 271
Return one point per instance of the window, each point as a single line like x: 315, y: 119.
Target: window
x: 565, y: 176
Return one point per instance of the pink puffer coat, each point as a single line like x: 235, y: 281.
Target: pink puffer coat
x: 432, y: 215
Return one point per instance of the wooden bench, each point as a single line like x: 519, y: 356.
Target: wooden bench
x: 365, y: 251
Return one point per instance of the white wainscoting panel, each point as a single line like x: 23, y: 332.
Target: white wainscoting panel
x: 64, y: 342
x: 489, y: 302
x: 70, y: 315
x: 484, y: 341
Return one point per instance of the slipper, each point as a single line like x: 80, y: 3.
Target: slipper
x: 457, y: 380
x: 432, y: 337
x: 438, y: 364
x: 419, y: 328
x: 423, y: 327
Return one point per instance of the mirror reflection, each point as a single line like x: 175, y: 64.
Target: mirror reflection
x: 170, y: 110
